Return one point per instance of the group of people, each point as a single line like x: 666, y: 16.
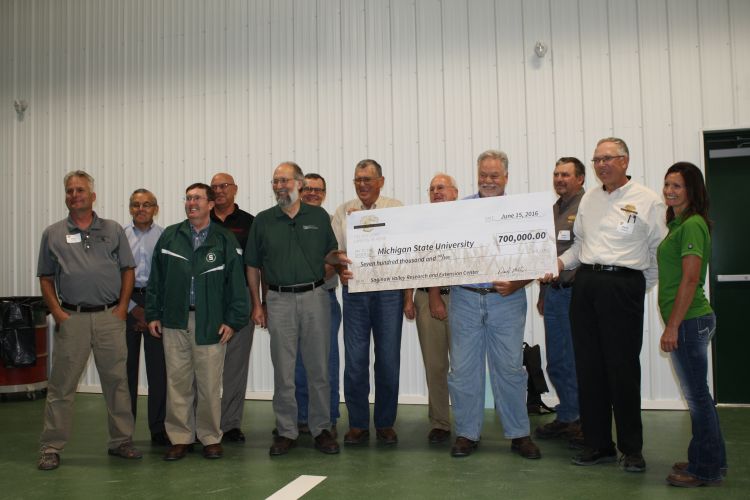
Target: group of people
x: 195, y: 290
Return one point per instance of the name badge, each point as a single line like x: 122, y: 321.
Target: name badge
x: 563, y: 235
x: 73, y: 238
x: 626, y: 227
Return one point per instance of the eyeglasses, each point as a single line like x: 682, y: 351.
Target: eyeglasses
x: 146, y: 205
x: 605, y: 159
x: 195, y: 198
x: 222, y: 186
x: 439, y: 188
x: 365, y: 180
x: 492, y: 177
x: 308, y: 189
x: 280, y: 181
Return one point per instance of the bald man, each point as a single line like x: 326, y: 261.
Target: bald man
x: 429, y: 306
x: 237, y: 361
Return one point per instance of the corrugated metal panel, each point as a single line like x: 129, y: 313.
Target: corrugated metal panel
x: 164, y: 93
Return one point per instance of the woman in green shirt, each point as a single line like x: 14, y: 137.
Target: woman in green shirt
x: 689, y: 320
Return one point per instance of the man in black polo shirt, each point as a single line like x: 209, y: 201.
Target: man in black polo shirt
x: 237, y: 361
x: 290, y: 242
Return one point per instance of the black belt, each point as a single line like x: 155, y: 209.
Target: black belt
x: 191, y: 308
x: 611, y: 269
x: 141, y: 289
x: 296, y: 288
x: 556, y: 285
x: 88, y: 309
x: 444, y: 290
x: 480, y: 291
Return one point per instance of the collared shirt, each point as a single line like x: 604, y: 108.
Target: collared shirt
x: 290, y: 251
x: 238, y: 222
x: 339, y: 218
x: 198, y: 238
x: 142, y: 245
x: 87, y: 265
x: 621, y: 228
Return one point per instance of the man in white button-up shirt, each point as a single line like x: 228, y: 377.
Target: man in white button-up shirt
x: 617, y: 230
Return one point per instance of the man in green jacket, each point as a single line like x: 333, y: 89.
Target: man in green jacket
x: 196, y: 299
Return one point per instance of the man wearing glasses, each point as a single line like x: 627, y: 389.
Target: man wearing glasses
x: 196, y: 299
x: 228, y: 214
x: 314, y: 193
x: 86, y: 276
x: 366, y: 313
x: 429, y: 306
x: 290, y: 242
x: 142, y: 235
x: 617, y: 230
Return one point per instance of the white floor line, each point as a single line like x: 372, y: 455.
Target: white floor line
x: 297, y: 488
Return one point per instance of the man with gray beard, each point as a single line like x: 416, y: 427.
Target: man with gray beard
x: 290, y: 243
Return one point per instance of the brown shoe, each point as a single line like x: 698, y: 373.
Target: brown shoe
x: 356, y: 436
x: 326, y: 443
x: 177, y: 451
x: 463, y: 447
x: 213, y: 451
x: 525, y: 447
x: 48, y: 461
x: 687, y: 480
x: 281, y: 445
x: 681, y: 467
x: 438, y: 436
x: 386, y: 435
x: 125, y: 450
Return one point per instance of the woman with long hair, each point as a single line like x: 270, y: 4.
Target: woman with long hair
x: 689, y: 320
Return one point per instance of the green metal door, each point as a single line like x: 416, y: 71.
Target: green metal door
x: 727, y: 160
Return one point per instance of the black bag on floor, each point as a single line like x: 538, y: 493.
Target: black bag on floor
x: 17, y: 335
x: 537, y: 384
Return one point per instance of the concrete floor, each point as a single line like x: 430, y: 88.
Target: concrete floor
x: 413, y: 469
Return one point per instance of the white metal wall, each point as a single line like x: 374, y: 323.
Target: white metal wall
x: 162, y: 93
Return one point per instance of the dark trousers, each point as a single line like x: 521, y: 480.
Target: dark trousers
x: 606, y: 316
x: 156, y: 370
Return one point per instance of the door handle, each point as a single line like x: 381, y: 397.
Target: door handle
x: 732, y: 277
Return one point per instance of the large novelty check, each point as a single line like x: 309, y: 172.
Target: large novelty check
x: 437, y: 244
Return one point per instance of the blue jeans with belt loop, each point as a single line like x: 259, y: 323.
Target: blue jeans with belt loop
x: 706, y: 453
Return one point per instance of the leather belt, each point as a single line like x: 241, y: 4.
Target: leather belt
x: 479, y: 290
x: 607, y: 268
x: 141, y: 289
x: 191, y: 308
x: 296, y: 288
x: 557, y: 285
x: 88, y: 309
x: 444, y: 290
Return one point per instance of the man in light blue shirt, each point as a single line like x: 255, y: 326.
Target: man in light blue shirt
x: 142, y: 235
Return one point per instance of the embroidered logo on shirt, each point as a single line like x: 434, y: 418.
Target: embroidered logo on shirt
x: 629, y: 209
x: 571, y: 218
x: 210, y: 257
x: 309, y: 226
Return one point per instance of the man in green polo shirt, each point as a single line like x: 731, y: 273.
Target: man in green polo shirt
x: 290, y: 242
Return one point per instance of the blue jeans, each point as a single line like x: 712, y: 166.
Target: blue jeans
x: 561, y: 363
x: 300, y: 377
x: 381, y: 313
x: 706, y: 453
x: 487, y: 330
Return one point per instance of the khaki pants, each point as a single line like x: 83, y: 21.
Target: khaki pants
x: 188, y: 363
x: 435, y: 341
x: 77, y: 336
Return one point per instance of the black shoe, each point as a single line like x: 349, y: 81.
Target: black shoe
x: 633, y: 462
x: 463, y: 447
x: 590, y: 456
x: 160, y: 439
x: 438, y: 436
x: 233, y: 436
